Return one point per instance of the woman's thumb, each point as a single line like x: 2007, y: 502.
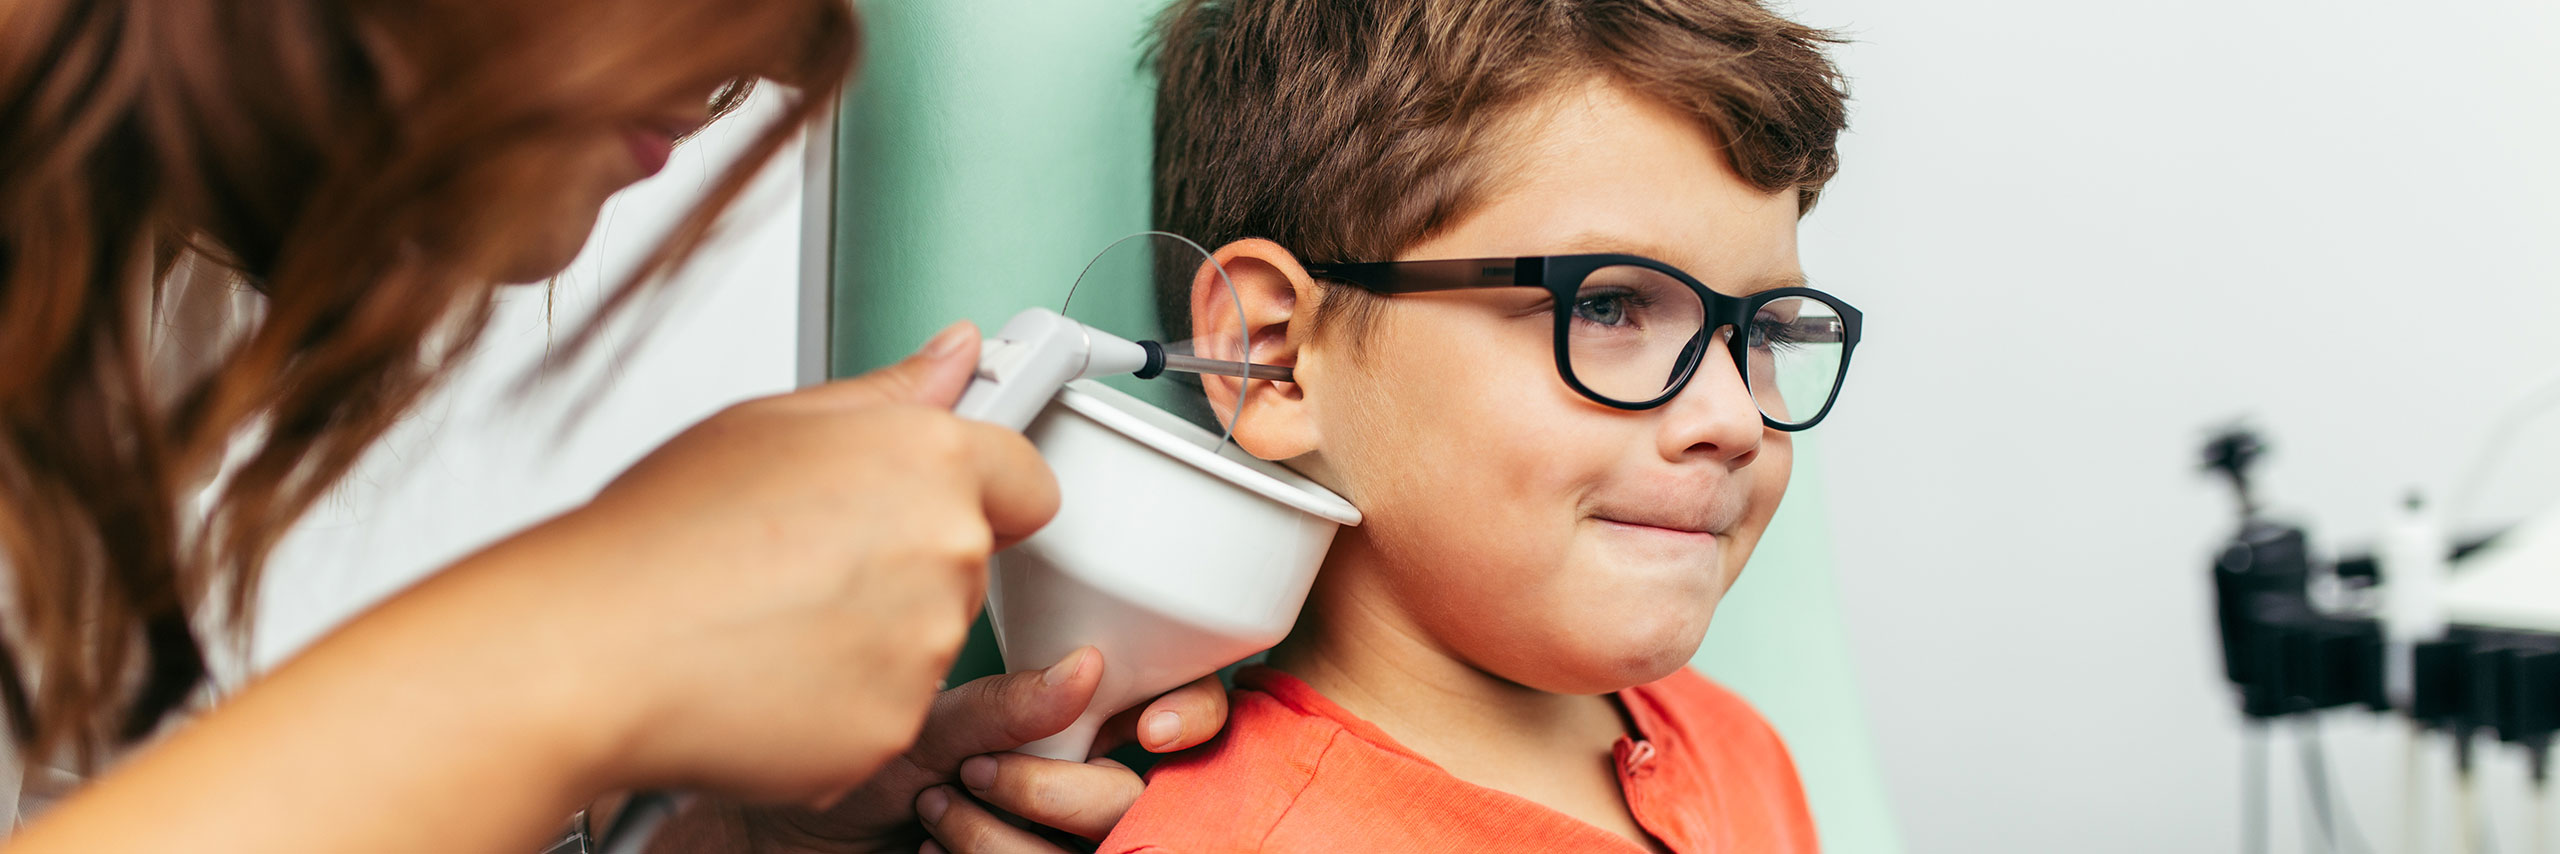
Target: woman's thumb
x: 935, y: 376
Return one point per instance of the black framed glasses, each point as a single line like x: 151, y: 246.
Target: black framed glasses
x: 1631, y: 331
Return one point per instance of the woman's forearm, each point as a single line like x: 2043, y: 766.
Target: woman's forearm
x: 447, y: 720
x: 738, y: 613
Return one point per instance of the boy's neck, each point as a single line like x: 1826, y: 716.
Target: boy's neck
x: 1363, y: 652
x: 1375, y: 663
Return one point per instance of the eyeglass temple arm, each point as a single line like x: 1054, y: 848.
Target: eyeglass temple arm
x: 1413, y: 277
x: 1380, y: 277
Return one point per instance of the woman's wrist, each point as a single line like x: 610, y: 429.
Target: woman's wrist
x: 543, y: 659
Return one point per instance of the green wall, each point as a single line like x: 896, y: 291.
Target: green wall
x: 1779, y: 640
x: 988, y: 151
x: 990, y: 148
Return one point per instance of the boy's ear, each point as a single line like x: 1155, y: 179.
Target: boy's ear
x: 1279, y: 300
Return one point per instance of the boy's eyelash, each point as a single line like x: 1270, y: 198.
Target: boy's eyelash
x: 1777, y: 333
x: 1630, y: 297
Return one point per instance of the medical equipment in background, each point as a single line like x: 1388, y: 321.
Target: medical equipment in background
x: 2460, y: 636
x: 1173, y: 553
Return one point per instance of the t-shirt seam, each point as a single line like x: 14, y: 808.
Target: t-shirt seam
x: 1264, y: 843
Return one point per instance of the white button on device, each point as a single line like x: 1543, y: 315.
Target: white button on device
x: 999, y: 358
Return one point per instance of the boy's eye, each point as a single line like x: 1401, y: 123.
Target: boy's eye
x: 1624, y: 298
x: 1769, y: 332
x: 1763, y: 329
x: 1773, y: 332
x: 1605, y: 309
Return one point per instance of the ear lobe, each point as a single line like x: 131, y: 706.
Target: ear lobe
x: 1278, y: 299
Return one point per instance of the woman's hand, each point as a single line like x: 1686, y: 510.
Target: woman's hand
x: 957, y: 778
x: 1083, y: 800
x: 781, y: 586
x: 918, y: 798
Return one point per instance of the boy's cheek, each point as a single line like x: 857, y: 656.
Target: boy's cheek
x: 1776, y: 463
x: 1769, y: 474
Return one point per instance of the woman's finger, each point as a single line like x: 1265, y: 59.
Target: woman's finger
x: 1005, y: 711
x: 1015, y: 487
x: 1178, y: 720
x: 1083, y: 798
x: 1185, y: 716
x: 961, y: 826
x: 935, y: 375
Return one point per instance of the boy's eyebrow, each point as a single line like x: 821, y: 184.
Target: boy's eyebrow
x: 1593, y: 242
x: 1771, y: 283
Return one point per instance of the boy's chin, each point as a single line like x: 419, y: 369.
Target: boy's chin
x: 1603, y: 658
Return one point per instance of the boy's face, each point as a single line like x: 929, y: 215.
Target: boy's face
x: 1519, y: 526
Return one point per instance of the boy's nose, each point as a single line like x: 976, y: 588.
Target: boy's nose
x: 1715, y: 416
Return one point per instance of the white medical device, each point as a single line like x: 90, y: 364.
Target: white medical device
x: 1173, y: 553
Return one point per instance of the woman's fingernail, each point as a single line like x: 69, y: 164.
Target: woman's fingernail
x: 978, y: 772
x: 947, y: 341
x: 1065, y: 669
x: 929, y: 847
x: 933, y: 803
x: 1160, y: 729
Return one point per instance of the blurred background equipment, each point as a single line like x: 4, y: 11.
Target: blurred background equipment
x: 2455, y: 636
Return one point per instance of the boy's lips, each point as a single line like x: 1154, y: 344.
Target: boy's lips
x: 1712, y: 516
x: 1671, y: 529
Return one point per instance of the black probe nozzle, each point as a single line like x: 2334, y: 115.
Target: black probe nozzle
x: 1155, y: 360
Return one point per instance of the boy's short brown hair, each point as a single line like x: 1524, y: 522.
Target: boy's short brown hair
x: 1346, y: 130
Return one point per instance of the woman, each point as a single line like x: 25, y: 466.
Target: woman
x: 769, y: 598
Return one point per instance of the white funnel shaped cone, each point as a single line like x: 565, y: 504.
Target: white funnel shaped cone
x: 1171, y: 559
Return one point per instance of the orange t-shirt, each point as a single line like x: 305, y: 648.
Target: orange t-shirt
x: 1294, y: 772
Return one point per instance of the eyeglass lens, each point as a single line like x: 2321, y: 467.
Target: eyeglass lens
x: 1795, y: 347
x: 1632, y: 332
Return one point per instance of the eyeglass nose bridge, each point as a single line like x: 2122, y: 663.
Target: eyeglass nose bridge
x: 1693, y: 356
x: 1686, y: 367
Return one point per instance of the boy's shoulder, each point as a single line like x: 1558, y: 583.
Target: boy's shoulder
x: 1294, y: 772
x: 1235, y: 792
x: 1232, y: 788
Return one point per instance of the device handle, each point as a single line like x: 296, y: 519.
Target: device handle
x: 1024, y: 365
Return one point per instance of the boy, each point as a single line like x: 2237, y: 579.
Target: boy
x: 1565, y: 449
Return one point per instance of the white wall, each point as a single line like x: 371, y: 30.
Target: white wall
x: 477, y: 461
x: 2082, y: 234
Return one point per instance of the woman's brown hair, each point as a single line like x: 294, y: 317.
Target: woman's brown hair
x: 368, y: 166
